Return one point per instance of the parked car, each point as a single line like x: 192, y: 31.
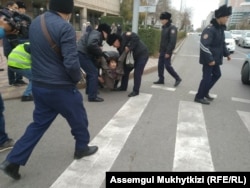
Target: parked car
x: 245, y: 71
x: 236, y: 35
x: 244, y: 41
x: 230, y: 42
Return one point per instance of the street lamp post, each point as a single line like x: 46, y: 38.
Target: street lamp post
x: 135, y: 16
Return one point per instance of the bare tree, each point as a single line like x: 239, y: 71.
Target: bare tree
x: 244, y: 24
x: 185, y: 19
x: 162, y: 6
x: 126, y: 10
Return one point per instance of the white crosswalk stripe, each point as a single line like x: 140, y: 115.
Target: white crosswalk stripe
x: 89, y: 171
x: 192, y: 150
x: 240, y: 100
x: 163, y: 87
x: 195, y: 92
x: 245, y: 117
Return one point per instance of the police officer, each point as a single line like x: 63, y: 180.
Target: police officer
x: 212, y: 50
x: 90, y: 52
x: 19, y: 61
x: 130, y: 42
x: 167, y: 45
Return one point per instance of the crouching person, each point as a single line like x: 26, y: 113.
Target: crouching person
x: 19, y: 61
x: 112, y: 69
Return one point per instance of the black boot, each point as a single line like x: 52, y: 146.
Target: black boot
x: 159, y: 82
x: 133, y: 93
x: 11, y: 169
x: 82, y: 153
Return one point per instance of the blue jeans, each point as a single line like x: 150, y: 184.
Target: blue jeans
x: 48, y: 104
x: 3, y: 134
x: 27, y: 74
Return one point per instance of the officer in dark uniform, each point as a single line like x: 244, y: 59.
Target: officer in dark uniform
x: 130, y: 41
x: 212, y: 50
x: 167, y: 45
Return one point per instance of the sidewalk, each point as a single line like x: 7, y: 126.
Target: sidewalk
x: 13, y: 92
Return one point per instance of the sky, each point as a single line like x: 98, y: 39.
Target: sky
x: 200, y: 9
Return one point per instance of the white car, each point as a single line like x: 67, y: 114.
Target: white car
x: 244, y: 41
x: 230, y: 42
x: 236, y: 35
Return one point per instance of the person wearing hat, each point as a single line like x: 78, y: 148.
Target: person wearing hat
x: 212, y: 50
x: 167, y: 46
x: 90, y: 52
x: 21, y: 7
x: 54, y: 79
x: 9, y: 43
x: 130, y: 42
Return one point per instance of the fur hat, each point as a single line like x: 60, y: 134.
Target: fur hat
x: 63, y: 6
x: 165, y: 16
x: 21, y: 4
x: 104, y: 27
x: 223, y: 11
x: 112, y: 38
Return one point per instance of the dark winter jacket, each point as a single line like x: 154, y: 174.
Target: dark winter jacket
x: 212, y: 44
x: 90, y: 44
x: 133, y: 42
x: 168, y: 38
x: 48, y: 68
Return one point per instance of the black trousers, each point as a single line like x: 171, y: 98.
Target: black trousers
x: 211, y: 75
x: 166, y: 63
x: 138, y: 71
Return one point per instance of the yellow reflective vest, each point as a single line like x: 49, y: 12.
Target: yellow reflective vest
x: 19, y: 58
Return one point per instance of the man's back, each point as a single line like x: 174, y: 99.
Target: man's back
x: 48, y: 67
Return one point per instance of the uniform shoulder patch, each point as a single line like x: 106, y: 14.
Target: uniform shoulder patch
x: 205, y: 36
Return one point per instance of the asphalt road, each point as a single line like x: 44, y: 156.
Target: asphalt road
x: 162, y: 129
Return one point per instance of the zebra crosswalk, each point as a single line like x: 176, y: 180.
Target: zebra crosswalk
x: 192, y: 149
x: 89, y: 172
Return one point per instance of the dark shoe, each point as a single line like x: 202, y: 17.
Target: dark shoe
x: 1, y: 69
x: 11, y: 169
x: 159, y: 82
x: 209, y: 98
x: 177, y: 82
x: 27, y: 98
x: 133, y: 93
x: 202, y: 101
x: 97, y: 99
x: 8, y: 144
x: 82, y: 153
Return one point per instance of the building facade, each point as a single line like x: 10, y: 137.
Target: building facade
x: 240, y: 13
x: 84, y: 10
x: 240, y: 17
